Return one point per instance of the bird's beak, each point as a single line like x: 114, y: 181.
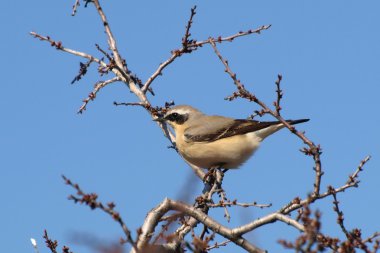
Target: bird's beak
x: 159, y: 119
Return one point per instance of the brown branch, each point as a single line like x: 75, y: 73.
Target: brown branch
x: 58, y: 45
x: 270, y: 218
x: 158, y: 72
x: 111, y: 39
x: 155, y: 215
x: 279, y: 94
x: 52, y: 245
x: 75, y: 6
x: 354, y: 177
x: 373, y: 236
x: 194, y: 45
x: 218, y: 245
x: 294, y: 205
x: 185, y: 39
x: 82, y: 71
x: 340, y: 218
x: 91, y: 201
x: 229, y: 203
x: 313, y: 150
x: 298, y: 203
x: 98, y: 86
x: 231, y: 37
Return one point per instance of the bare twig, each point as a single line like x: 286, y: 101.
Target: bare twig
x: 130, y: 104
x: 111, y: 38
x: 185, y: 39
x: 94, y: 92
x: 82, y: 70
x: 58, y: 45
x: 353, y: 178
x: 279, y: 94
x: 91, y: 201
x: 231, y: 37
x: 194, y: 45
x: 218, y: 245
x: 296, y: 204
x: 370, y: 238
x: 103, y: 52
x: 235, y: 203
x: 340, y: 218
x: 75, y: 6
x: 52, y: 245
x: 313, y: 150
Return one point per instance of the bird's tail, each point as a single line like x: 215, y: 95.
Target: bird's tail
x: 274, y: 126
x: 297, y: 121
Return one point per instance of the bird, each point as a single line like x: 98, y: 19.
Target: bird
x: 217, y: 141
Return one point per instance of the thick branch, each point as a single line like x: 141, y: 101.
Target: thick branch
x: 111, y: 39
x: 155, y: 215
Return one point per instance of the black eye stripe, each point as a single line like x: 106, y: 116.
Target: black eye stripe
x: 176, y: 117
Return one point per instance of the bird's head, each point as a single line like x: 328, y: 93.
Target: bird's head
x: 179, y: 116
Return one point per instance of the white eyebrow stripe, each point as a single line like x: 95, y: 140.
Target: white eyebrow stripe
x: 179, y: 111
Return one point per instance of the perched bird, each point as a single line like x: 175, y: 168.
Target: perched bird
x: 217, y: 141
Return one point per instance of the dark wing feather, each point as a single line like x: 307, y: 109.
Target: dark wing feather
x: 237, y: 127
x: 227, y: 127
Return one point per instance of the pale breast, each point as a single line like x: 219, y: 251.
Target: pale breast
x: 228, y: 152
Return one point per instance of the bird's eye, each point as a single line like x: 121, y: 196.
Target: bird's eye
x: 177, y: 118
x: 173, y: 116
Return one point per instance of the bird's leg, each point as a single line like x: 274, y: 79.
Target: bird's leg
x: 209, y: 173
x: 219, y: 175
x: 209, y: 180
x: 213, y: 181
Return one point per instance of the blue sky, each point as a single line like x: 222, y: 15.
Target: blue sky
x: 327, y: 51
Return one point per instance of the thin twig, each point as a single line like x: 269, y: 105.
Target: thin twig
x: 370, y: 238
x: 185, y: 39
x: 235, y: 203
x: 218, y: 245
x: 340, y: 218
x: 91, y: 201
x: 313, y: 150
x: 82, y: 70
x: 52, y: 245
x: 354, y: 176
x: 279, y: 94
x: 98, y: 86
x: 111, y: 38
x: 194, y: 45
x: 75, y: 6
x: 231, y: 37
x: 58, y: 45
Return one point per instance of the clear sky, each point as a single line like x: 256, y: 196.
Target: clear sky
x: 327, y: 51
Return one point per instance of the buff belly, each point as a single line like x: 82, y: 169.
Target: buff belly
x: 228, y: 152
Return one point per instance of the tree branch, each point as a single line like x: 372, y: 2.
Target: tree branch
x: 98, y: 86
x: 313, y: 150
x: 154, y: 216
x: 194, y: 45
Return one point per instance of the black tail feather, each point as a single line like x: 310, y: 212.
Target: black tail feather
x: 298, y: 121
